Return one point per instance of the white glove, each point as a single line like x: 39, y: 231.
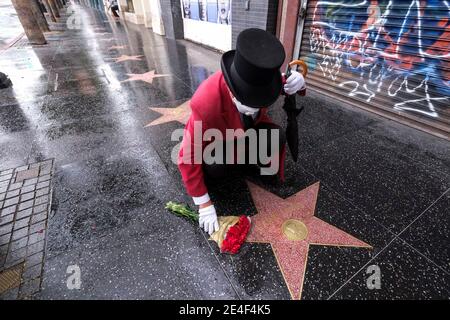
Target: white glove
x: 294, y: 83
x: 208, y: 219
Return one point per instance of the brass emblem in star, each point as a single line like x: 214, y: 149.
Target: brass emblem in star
x: 290, y: 226
x: 180, y: 114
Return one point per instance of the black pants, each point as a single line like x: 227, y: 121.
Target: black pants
x: 114, y: 10
x: 215, y: 171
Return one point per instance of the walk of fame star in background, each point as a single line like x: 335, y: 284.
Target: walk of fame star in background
x: 125, y: 57
x: 116, y: 47
x: 146, y: 77
x: 180, y: 114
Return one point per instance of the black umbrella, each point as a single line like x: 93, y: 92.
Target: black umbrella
x: 290, y: 107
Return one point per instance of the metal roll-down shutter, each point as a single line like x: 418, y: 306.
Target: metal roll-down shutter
x: 391, y: 57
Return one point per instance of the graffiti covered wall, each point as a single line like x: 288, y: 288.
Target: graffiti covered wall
x: 393, y: 55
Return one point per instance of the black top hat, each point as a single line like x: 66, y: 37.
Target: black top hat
x: 252, y: 71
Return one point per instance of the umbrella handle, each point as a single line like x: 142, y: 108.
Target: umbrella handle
x: 302, y: 64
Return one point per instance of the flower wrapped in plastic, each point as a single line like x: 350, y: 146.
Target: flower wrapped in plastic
x: 232, y: 231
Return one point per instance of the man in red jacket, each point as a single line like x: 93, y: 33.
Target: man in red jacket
x: 235, y: 98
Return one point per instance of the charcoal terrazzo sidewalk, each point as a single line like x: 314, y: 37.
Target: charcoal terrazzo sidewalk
x: 381, y: 186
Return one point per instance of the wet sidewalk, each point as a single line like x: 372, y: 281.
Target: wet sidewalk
x: 94, y: 110
x: 11, y: 27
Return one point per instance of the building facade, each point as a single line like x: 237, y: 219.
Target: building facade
x: 391, y: 57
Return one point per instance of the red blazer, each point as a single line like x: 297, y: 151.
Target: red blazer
x: 212, y: 105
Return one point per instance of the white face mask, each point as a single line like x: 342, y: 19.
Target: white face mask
x: 242, y: 108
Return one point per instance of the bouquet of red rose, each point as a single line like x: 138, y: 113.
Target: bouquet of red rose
x: 232, y: 231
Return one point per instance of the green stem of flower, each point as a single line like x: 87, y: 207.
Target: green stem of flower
x: 182, y: 210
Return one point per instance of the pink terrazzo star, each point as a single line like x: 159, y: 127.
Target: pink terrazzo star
x: 146, y: 77
x: 124, y: 57
x: 292, y: 255
x: 180, y: 114
x: 116, y: 47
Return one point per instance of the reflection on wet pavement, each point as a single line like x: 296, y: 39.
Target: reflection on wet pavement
x: 110, y: 139
x: 11, y: 27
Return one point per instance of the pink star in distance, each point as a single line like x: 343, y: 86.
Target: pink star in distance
x: 124, y: 57
x: 180, y: 114
x: 146, y: 77
x: 116, y: 47
x: 53, y: 32
x: 279, y: 219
